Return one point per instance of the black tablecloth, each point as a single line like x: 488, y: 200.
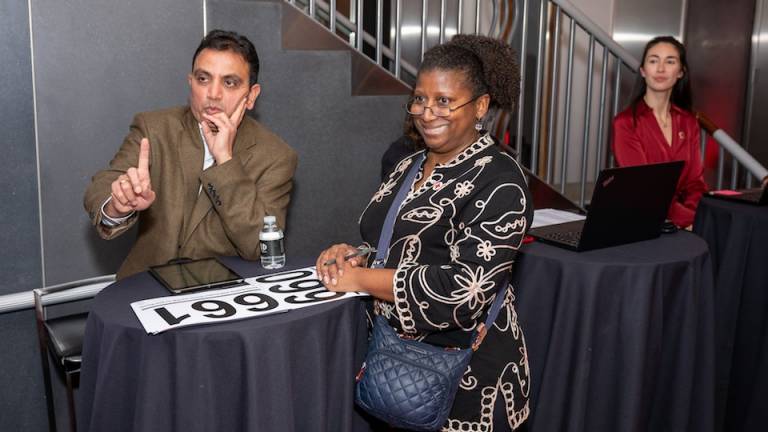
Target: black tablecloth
x: 288, y: 372
x: 737, y: 235
x: 619, y: 339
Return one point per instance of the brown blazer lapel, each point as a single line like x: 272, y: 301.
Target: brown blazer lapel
x: 247, y: 136
x: 191, y: 154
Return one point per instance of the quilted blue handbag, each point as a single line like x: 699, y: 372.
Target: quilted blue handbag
x: 407, y: 383
x: 411, y: 384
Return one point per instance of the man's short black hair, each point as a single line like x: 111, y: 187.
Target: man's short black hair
x: 222, y: 40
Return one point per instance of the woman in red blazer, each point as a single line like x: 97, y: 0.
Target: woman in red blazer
x: 658, y: 126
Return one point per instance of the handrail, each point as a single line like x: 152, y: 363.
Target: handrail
x: 574, y: 154
x: 345, y: 23
x: 564, y: 141
x: 86, y: 288
x: 733, y: 147
x: 706, y: 123
x: 604, y: 38
x: 342, y: 21
x: 737, y: 151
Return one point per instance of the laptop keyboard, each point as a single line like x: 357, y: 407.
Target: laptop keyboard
x: 568, y: 237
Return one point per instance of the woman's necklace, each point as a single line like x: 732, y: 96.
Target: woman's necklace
x: 663, y: 120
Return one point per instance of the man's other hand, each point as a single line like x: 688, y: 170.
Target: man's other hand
x: 132, y: 191
x: 220, y: 142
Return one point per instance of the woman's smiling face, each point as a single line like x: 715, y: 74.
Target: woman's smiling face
x: 447, y: 136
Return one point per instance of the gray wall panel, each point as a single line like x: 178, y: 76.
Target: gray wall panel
x: 98, y: 63
x: 719, y: 64
x: 22, y: 399
x: 20, y: 235
x: 637, y: 22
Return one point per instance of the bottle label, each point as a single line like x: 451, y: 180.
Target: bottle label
x: 272, y: 247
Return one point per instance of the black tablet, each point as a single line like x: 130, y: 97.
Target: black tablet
x: 192, y: 275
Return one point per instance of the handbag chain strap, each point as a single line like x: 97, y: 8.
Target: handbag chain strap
x: 386, y: 236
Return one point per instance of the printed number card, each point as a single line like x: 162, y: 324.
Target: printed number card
x: 260, y: 295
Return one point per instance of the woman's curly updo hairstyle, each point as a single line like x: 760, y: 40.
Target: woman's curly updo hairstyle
x: 488, y: 65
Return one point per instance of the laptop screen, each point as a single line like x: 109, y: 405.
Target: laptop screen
x: 630, y: 203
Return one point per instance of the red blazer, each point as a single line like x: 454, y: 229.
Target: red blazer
x: 640, y: 141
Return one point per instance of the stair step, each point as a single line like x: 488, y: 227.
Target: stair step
x: 303, y: 33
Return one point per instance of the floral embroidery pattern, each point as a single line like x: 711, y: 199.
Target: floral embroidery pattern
x: 463, y: 189
x: 454, y: 242
x: 485, y: 250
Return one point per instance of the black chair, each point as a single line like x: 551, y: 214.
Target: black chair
x: 60, y: 336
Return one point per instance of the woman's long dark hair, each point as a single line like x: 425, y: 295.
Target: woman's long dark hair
x: 681, y: 92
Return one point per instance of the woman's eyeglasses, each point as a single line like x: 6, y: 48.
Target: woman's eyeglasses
x: 416, y: 107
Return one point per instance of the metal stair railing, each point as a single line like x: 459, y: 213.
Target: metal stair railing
x: 567, y: 147
x: 554, y: 129
x: 389, y: 55
x: 740, y: 157
x: 550, y: 122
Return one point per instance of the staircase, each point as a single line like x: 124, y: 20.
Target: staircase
x: 307, y: 98
x: 337, y: 98
x: 575, y: 78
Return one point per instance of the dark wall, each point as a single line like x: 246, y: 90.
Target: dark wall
x: 98, y: 63
x: 757, y: 141
x: 20, y: 233
x: 719, y: 59
x: 22, y: 398
x: 95, y: 64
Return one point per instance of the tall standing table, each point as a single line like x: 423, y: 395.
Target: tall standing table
x: 288, y: 372
x: 737, y: 235
x: 619, y: 339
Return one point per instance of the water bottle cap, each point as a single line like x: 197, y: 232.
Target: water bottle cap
x: 270, y: 219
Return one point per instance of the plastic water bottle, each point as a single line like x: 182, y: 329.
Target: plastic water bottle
x: 271, y: 242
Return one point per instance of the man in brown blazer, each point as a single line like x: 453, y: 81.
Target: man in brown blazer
x: 197, y: 179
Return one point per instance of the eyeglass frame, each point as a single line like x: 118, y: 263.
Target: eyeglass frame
x: 450, y: 110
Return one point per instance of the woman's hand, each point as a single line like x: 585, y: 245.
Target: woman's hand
x: 350, y: 281
x: 331, y: 274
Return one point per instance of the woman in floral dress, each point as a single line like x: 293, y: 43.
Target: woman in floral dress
x: 457, y: 232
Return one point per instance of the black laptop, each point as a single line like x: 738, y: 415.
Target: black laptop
x: 628, y: 204
x: 756, y: 196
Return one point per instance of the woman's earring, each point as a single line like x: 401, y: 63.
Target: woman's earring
x: 479, y: 125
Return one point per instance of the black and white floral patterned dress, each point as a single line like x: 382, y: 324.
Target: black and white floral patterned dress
x: 455, y: 240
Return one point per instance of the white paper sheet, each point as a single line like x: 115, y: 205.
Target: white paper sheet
x: 544, y: 217
x: 261, y: 295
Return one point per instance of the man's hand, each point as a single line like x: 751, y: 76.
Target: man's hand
x: 132, y: 191
x: 220, y: 142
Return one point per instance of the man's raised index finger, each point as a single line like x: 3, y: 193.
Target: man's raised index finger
x: 144, y: 155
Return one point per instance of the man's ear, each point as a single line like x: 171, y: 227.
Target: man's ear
x: 253, y: 94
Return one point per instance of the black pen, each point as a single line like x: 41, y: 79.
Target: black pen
x: 361, y: 250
